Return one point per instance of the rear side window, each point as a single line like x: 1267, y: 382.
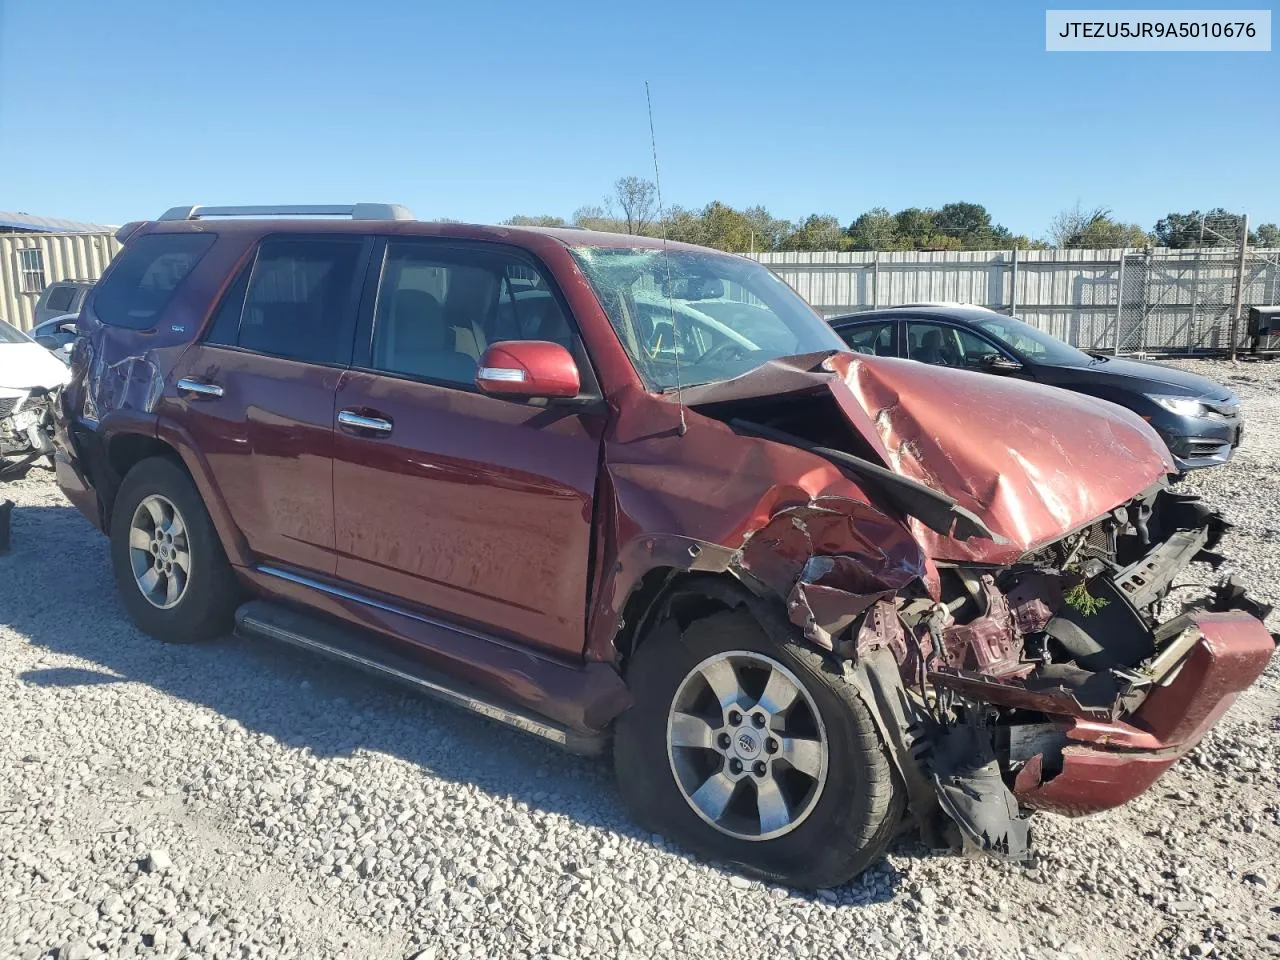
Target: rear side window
x: 60, y: 299
x: 144, y: 278
x: 301, y: 299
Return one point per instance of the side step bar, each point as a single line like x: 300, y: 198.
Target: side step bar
x: 261, y: 620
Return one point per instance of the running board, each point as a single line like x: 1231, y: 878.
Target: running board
x: 259, y: 619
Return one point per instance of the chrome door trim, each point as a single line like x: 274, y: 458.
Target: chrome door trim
x: 349, y: 418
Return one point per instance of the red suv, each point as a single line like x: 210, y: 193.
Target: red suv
x: 617, y: 491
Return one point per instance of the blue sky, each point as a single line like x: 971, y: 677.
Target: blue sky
x: 477, y: 110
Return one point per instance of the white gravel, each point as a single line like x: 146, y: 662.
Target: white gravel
x: 234, y: 801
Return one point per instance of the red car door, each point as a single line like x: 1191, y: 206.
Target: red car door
x: 449, y: 500
x: 257, y: 393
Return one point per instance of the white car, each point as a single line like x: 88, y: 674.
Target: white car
x: 30, y: 378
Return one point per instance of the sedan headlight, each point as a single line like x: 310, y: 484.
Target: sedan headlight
x: 1182, y: 406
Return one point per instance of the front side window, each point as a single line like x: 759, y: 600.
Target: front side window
x: 31, y: 270
x: 872, y: 338
x: 946, y: 346
x: 714, y: 316
x: 439, y: 308
x: 299, y: 303
x: 1034, y: 343
x: 145, y: 276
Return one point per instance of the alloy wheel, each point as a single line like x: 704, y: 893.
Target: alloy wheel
x: 159, y: 552
x: 747, y: 745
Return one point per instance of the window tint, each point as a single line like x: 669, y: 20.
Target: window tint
x: 873, y: 338
x: 225, y: 326
x: 299, y: 303
x: 439, y: 309
x: 60, y: 299
x: 144, y: 277
x: 947, y: 346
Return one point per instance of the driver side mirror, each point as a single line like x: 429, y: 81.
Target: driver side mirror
x: 528, y: 369
x: 49, y: 343
x: 998, y: 362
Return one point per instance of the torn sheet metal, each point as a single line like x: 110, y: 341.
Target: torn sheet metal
x: 830, y: 560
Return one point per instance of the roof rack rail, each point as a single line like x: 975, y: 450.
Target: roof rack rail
x: 356, y: 211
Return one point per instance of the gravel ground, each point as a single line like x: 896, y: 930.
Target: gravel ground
x: 233, y: 801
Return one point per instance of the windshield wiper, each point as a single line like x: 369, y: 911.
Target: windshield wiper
x: 937, y: 511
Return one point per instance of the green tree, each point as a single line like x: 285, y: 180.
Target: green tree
x: 637, y: 198
x: 913, y: 227
x: 1267, y: 235
x: 541, y: 220
x: 1216, y: 228
x: 877, y: 229
x: 1076, y: 227
x: 726, y: 228
x: 765, y: 231
x: 815, y: 232
x: 971, y: 224
x: 594, y: 216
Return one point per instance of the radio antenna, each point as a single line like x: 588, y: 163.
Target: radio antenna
x: 666, y: 259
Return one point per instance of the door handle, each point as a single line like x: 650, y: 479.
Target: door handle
x: 200, y: 388
x: 358, y: 421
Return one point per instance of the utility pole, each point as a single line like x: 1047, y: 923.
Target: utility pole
x: 1237, y: 304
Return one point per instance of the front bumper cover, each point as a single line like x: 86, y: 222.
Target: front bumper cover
x: 1105, y: 763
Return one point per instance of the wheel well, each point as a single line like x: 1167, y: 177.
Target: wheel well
x: 124, y: 452
x: 665, y: 592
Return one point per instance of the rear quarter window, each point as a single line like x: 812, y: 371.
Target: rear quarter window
x: 59, y: 298
x: 145, y: 277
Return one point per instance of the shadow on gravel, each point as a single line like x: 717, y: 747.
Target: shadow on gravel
x: 56, y: 589
x: 68, y: 677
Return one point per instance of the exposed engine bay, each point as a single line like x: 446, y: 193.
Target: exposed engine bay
x: 1013, y: 665
x: 26, y: 429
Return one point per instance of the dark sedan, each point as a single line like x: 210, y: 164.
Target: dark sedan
x: 1198, y: 419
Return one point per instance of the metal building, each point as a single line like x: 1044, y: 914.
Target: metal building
x: 29, y: 262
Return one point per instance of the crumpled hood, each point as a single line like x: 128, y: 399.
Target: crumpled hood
x: 1034, y: 462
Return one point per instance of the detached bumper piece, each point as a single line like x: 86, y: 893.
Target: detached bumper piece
x: 1091, y: 756
x: 1102, y: 764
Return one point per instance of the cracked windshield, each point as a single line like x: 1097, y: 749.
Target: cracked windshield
x: 716, y: 317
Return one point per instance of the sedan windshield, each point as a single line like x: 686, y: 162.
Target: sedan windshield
x: 714, y: 315
x: 10, y: 334
x: 1035, y: 345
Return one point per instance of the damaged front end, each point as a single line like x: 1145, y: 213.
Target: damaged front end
x: 1015, y: 656
x: 26, y: 429
x: 1051, y: 683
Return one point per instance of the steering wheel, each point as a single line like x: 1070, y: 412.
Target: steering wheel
x: 724, y: 346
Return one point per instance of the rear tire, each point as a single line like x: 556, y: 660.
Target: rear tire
x: 845, y: 810
x: 170, y: 568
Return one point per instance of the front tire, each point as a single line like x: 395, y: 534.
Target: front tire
x: 170, y: 568
x: 756, y: 753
